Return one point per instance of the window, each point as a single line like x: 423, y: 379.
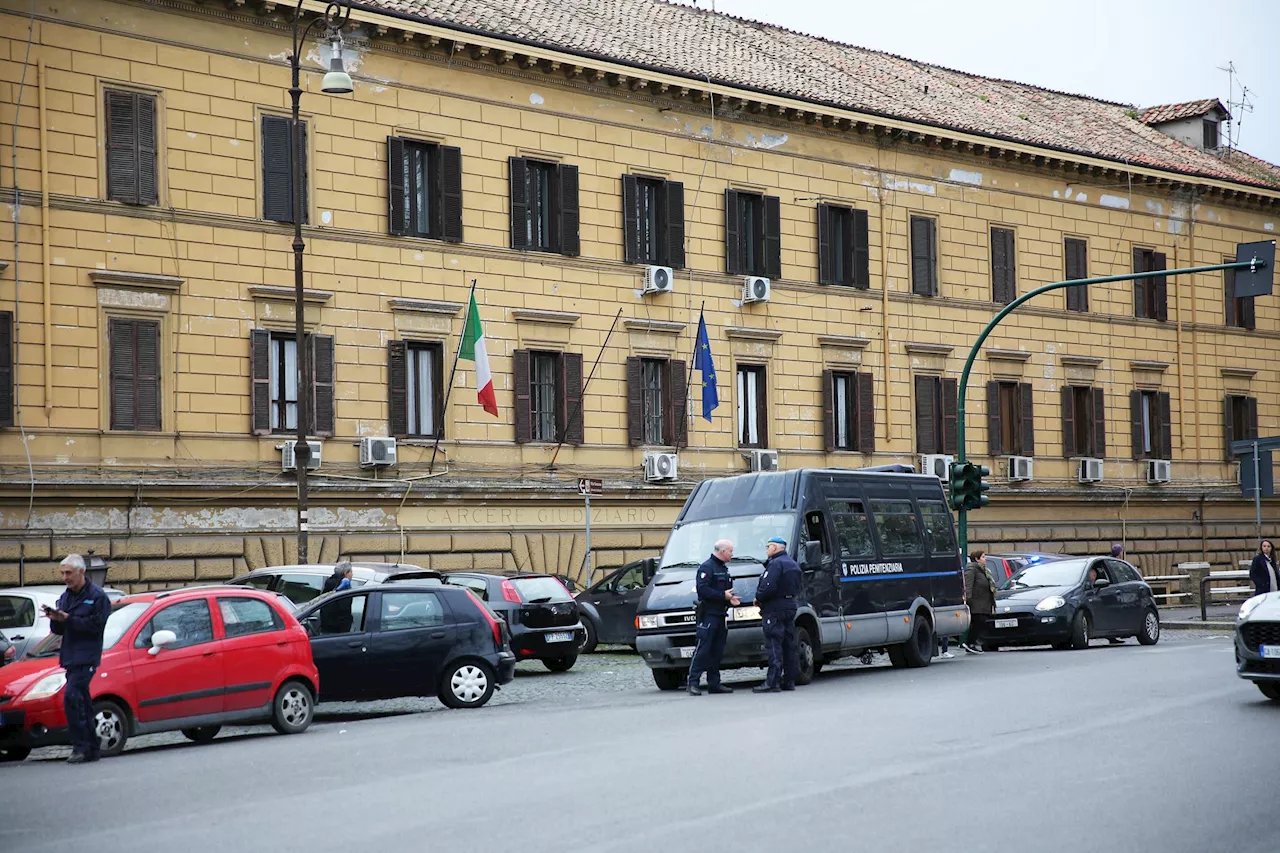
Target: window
x: 844, y: 253
x: 1004, y: 266
x: 16, y: 611
x: 1084, y: 423
x: 1240, y: 420
x: 1152, y: 425
x: 415, y: 397
x: 935, y: 415
x: 848, y: 408
x: 631, y: 579
x: 403, y: 610
x: 548, y: 396
x: 258, y: 582
x: 300, y: 588
x: 131, y: 147
x: 1075, y: 253
x: 244, y: 616
x: 656, y: 400
x: 652, y: 221
x: 1150, y: 295
x: 1210, y: 134
x: 344, y: 615
x: 6, y: 368
x: 544, y: 206
x: 274, y: 368
x: 277, y: 169
x: 1238, y: 310
x: 939, y: 536
x: 135, y: 373
x: 190, y: 621
x: 476, y: 585
x: 897, y: 527
x: 924, y: 256
x: 1010, y: 419
x: 753, y: 229
x: 424, y: 189
x: 853, y: 529
x: 752, y: 407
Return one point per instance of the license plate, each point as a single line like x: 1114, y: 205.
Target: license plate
x: 1271, y: 651
x: 687, y: 651
x: 1005, y: 623
x: 560, y: 637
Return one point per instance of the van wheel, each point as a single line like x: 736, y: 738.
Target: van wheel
x: 897, y: 656
x: 808, y: 657
x: 919, y: 648
x: 669, y: 679
x: 1080, y: 629
x: 1150, y: 633
x: 201, y: 734
x: 293, y: 708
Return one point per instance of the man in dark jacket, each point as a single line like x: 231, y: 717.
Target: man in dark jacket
x: 779, y: 586
x: 715, y: 597
x: 980, y: 594
x: 81, y: 617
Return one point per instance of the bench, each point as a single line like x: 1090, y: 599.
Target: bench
x: 1206, y: 592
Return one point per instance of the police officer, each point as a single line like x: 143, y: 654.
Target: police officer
x: 80, y: 617
x: 776, y: 595
x: 715, y: 596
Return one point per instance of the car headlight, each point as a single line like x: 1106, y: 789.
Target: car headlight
x: 46, y: 687
x: 647, y: 622
x: 744, y: 614
x: 1053, y: 602
x: 1250, y: 606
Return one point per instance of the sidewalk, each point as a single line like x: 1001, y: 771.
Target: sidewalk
x: 1219, y: 616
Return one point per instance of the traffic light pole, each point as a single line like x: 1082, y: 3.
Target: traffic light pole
x: 963, y: 514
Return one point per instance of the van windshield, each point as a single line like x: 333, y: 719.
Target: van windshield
x: 691, y: 543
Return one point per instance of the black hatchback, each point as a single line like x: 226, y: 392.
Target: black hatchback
x: 541, y: 615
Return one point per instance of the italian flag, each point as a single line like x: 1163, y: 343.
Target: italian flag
x: 473, y: 349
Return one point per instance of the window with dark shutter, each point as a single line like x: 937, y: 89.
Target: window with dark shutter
x: 424, y: 189
x: 924, y: 256
x: 415, y: 393
x: 518, y: 189
x: 397, y: 389
x: 1239, y: 311
x: 1003, y: 266
x: 1075, y: 253
x: 673, y: 221
x: 843, y: 254
x: 277, y: 169
x: 450, y: 204
x: 1240, y: 420
x: 647, y: 415
x: 996, y: 416
x: 1150, y: 295
x: 131, y: 147
x: 567, y: 215
x: 950, y: 419
x: 848, y: 411
x: 571, y: 403
x: 753, y: 240
x: 521, y: 378
x: 6, y: 369
x: 733, y: 248
x: 135, y: 374
x: 261, y: 372
x: 1083, y: 422
x: 929, y: 415
x: 1009, y: 419
x: 544, y: 206
x: 752, y: 406
x: 322, y: 386
x: 652, y: 221
x: 772, y: 237
x: 1027, y: 416
x: 676, y: 382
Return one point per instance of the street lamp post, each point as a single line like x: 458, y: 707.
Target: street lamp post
x: 336, y: 82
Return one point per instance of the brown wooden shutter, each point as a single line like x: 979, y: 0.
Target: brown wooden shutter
x: 994, y: 445
x: 830, y: 429
x: 1228, y: 424
x: 147, y: 374
x: 277, y: 169
x: 396, y: 202
x: 1247, y: 317
x: 124, y: 396
x: 926, y: 415
x: 826, y: 263
x: 635, y: 400
x: 762, y: 407
x: 1135, y: 423
x: 322, y: 385
x: 122, y: 147
x: 1229, y: 300
x: 518, y: 189
x: 567, y: 211
x: 6, y: 369
x: 1076, y: 252
x: 1162, y: 287
x: 1068, y: 422
x: 866, y: 413
x: 772, y: 237
x: 450, y: 203
x: 1140, y: 286
x: 950, y: 436
x: 676, y: 386
x: 673, y: 230
x: 260, y: 380
x: 306, y: 187
x: 732, y: 234
x: 523, y: 396
x: 398, y: 389
x: 572, y: 404
x: 1250, y: 417
x: 1002, y: 265
x: 861, y: 250
x: 922, y: 273
x: 148, y: 189
x: 1099, y: 424
x: 1165, y: 405
x: 1026, y: 405
x: 630, y: 220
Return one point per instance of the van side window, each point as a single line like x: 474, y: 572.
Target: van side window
x: 815, y: 530
x: 853, y: 529
x: 897, y: 526
x: 938, y: 534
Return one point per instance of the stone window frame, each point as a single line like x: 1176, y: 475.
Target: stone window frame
x: 162, y: 139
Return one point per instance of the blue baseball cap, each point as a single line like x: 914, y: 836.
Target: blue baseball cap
x: 778, y: 540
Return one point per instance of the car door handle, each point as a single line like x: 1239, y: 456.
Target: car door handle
x: 17, y: 637
x: 437, y: 635
x: 357, y: 644
x: 209, y: 654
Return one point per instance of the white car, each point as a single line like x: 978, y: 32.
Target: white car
x: 1258, y: 643
x: 22, y: 620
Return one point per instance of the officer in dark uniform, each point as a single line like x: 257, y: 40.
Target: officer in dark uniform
x: 81, y: 618
x: 715, y: 597
x: 776, y: 595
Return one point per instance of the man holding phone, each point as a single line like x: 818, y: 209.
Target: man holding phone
x: 715, y: 597
x: 81, y: 617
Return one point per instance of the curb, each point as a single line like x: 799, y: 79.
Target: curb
x: 1212, y: 624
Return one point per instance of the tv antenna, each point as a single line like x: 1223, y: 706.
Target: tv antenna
x: 1237, y: 107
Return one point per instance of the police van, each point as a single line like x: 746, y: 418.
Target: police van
x: 878, y: 552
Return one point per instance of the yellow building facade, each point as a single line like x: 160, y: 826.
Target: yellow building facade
x: 201, y: 496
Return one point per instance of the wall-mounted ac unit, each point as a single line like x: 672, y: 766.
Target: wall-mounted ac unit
x: 377, y: 452
x: 938, y: 465
x: 1159, y: 471
x: 287, y: 462
x: 755, y: 289
x: 764, y: 460
x: 658, y: 280
x: 659, y: 467
x: 1089, y: 471
x: 1021, y: 469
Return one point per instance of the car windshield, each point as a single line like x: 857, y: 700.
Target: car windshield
x: 118, y: 623
x: 673, y: 590
x: 541, y: 590
x: 1055, y: 573
x: 690, y: 544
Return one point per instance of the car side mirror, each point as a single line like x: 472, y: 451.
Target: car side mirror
x: 1100, y: 583
x: 650, y: 569
x: 812, y: 554
x: 160, y: 639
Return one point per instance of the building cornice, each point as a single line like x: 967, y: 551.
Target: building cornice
x: 1149, y: 366
x: 843, y: 342
x: 1019, y: 355
x: 137, y: 280
x: 917, y: 348
x: 657, y: 327
x: 546, y: 318
x: 1239, y: 372
x: 288, y: 294
x: 1080, y: 360
x: 743, y: 333
x: 426, y: 306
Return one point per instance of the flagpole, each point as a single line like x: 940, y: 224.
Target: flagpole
x: 583, y: 396
x: 693, y: 357
x: 448, y: 389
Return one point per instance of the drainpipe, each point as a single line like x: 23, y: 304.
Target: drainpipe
x: 44, y: 243
x: 1195, y: 336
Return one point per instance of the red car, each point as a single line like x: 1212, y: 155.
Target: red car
x: 191, y: 660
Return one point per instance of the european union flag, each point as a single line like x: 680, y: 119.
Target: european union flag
x: 702, y: 361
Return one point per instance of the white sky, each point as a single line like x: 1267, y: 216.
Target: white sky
x: 1141, y: 52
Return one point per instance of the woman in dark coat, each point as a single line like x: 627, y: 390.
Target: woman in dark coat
x: 1264, y: 573
x: 980, y: 593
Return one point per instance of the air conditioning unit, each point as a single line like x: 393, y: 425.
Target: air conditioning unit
x: 755, y: 289
x: 764, y: 460
x: 1021, y: 469
x: 658, y: 280
x: 1159, y: 471
x: 937, y: 465
x: 377, y: 452
x: 287, y: 462
x: 1090, y: 471
x: 659, y: 467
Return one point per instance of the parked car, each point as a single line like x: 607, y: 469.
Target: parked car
x: 7, y: 650
x: 22, y: 618
x: 1066, y: 603
x: 303, y: 583
x: 608, y: 607
x: 1258, y: 643
x: 1004, y: 566
x: 189, y: 660
x: 540, y: 614
x: 410, y: 639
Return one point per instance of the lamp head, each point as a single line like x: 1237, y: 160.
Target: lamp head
x: 337, y: 81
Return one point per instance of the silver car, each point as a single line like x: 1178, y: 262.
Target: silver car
x: 1258, y: 643
x: 22, y: 616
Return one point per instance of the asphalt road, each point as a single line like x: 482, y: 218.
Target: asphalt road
x: 1112, y: 749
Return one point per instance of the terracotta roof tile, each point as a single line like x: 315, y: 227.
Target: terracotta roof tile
x: 1177, y: 112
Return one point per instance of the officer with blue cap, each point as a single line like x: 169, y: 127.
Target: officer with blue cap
x: 776, y: 596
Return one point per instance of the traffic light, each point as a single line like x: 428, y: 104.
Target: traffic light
x: 968, y: 491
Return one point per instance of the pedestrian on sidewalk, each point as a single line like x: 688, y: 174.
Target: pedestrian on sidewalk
x: 1263, y: 572
x: 715, y: 597
x: 1117, y: 551
x: 779, y: 585
x: 980, y: 592
x: 80, y: 618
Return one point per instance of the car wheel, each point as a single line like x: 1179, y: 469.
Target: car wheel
x: 1270, y: 689
x: 918, y: 650
x: 1080, y: 629
x: 807, y: 654
x: 14, y: 753
x: 467, y: 684
x: 111, y: 726
x: 563, y: 664
x: 293, y: 708
x: 669, y: 679
x: 589, y: 643
x: 201, y: 734
x: 1150, y: 633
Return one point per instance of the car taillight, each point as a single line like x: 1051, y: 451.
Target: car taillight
x: 510, y: 593
x: 494, y: 625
